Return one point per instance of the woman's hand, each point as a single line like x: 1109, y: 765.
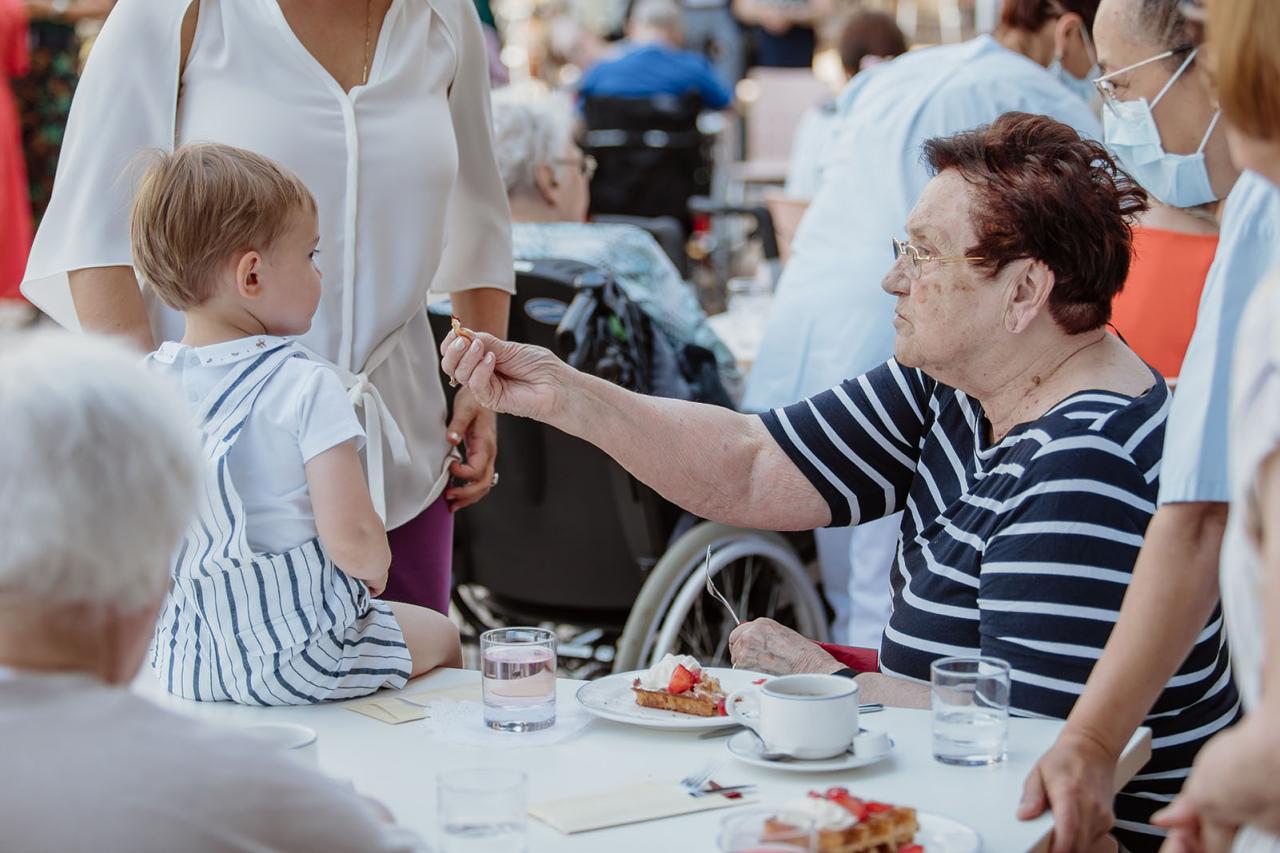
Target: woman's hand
x: 766, y: 646
x: 517, y: 379
x: 477, y: 428
x: 1076, y: 779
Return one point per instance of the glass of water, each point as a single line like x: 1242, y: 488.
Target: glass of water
x: 767, y: 831
x: 970, y: 710
x: 481, y: 811
x: 518, y: 668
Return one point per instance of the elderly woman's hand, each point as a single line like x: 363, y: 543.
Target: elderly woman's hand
x: 518, y: 379
x: 766, y: 646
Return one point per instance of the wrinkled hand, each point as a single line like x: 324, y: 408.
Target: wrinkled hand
x: 766, y: 646
x: 1231, y: 784
x: 477, y: 428
x: 517, y: 379
x: 1076, y: 779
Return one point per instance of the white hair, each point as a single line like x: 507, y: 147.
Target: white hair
x: 99, y: 472
x: 530, y: 128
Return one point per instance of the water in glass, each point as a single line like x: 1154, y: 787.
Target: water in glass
x: 518, y: 668
x: 482, y: 810
x: 970, y: 710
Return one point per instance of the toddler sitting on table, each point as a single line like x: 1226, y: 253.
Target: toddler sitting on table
x: 271, y: 600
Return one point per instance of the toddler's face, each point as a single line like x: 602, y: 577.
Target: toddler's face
x: 291, y: 279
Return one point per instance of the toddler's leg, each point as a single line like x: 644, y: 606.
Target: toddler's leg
x: 432, y: 639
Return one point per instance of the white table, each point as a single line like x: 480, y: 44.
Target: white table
x: 398, y: 765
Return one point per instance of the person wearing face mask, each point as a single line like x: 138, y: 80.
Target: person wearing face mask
x: 1167, y: 133
x: 830, y: 318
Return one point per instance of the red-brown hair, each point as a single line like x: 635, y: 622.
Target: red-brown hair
x: 1042, y: 191
x: 1031, y: 15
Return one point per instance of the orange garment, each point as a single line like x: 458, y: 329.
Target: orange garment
x: 15, y: 203
x: 1156, y: 311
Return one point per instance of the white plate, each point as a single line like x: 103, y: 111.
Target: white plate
x: 938, y: 834
x: 611, y: 698
x: 745, y: 747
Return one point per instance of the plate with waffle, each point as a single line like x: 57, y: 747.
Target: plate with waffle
x: 675, y: 693
x: 850, y: 824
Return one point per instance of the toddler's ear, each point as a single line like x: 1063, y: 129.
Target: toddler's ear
x: 248, y: 283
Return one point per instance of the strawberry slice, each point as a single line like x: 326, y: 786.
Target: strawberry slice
x: 682, y: 681
x: 759, y: 681
x: 878, y: 808
x: 697, y: 676
x: 911, y: 848
x: 836, y: 793
x: 721, y: 710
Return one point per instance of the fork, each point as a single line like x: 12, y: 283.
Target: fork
x: 715, y: 593
x: 695, y: 781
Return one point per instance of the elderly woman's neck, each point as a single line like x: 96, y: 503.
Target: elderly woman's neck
x: 527, y: 208
x: 68, y: 639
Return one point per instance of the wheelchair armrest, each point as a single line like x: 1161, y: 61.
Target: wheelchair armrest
x: 763, y: 229
x: 574, y: 332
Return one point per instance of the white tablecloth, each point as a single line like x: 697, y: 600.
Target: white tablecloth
x: 398, y: 765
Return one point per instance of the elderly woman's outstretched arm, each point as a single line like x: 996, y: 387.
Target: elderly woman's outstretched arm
x: 716, y: 463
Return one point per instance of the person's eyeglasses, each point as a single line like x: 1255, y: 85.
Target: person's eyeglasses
x: 1106, y: 83
x: 587, y: 165
x: 917, y: 257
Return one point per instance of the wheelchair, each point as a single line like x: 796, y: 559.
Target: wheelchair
x: 571, y: 540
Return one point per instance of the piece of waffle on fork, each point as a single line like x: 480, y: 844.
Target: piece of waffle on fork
x: 678, y: 683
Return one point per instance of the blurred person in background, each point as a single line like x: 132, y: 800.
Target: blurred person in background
x: 830, y: 319
x: 548, y: 181
x: 498, y: 73
x: 15, y: 206
x: 711, y: 29
x: 786, y: 31
x: 1231, y: 798
x: 652, y: 61
x: 1177, y: 150
x: 101, y: 476
x: 44, y: 93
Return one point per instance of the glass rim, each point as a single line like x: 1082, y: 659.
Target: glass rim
x: 999, y: 664
x: 480, y: 778
x: 540, y: 635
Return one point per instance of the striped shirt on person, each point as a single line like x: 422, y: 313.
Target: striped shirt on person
x: 1020, y: 549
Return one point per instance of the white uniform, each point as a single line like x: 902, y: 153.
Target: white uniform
x: 402, y: 168
x: 259, y: 628
x: 831, y: 321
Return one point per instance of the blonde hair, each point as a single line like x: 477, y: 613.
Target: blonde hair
x: 102, y: 472
x: 1243, y: 35
x: 199, y: 206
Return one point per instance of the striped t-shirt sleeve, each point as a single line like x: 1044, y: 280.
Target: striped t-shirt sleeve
x: 1056, y: 569
x: 859, y: 442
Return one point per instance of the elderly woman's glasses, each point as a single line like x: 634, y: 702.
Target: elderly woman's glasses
x: 1106, y: 83
x: 916, y: 258
x: 587, y: 165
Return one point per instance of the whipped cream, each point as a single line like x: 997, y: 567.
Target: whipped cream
x: 658, y: 677
x: 824, y: 813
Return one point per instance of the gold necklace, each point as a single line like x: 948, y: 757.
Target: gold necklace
x: 368, y: 34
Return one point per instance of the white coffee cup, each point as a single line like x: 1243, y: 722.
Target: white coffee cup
x: 804, y: 716
x: 298, y: 742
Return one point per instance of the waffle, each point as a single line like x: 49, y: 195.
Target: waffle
x: 884, y: 831
x: 704, y: 700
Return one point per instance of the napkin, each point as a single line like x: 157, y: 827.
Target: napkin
x: 631, y: 804
x: 387, y: 710
x: 462, y: 724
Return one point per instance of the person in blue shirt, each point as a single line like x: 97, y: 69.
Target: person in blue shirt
x: 651, y: 63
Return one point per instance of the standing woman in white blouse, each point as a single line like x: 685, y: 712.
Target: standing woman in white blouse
x: 382, y: 107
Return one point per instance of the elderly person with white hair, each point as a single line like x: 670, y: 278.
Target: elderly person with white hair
x: 100, y: 475
x: 548, y: 182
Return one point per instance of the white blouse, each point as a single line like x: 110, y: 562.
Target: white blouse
x: 402, y: 168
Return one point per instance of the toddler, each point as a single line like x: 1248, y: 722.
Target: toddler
x: 272, y: 600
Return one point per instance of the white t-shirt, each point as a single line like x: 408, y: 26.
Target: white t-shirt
x: 301, y: 412
x: 93, y: 767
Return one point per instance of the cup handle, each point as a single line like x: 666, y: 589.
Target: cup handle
x: 750, y: 720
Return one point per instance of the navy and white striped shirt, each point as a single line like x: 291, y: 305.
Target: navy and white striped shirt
x: 1021, y: 549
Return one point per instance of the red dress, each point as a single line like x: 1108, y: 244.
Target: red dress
x: 15, y: 205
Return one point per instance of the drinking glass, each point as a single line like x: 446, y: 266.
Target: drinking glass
x: 518, y: 669
x: 481, y: 811
x: 767, y: 831
x: 970, y: 710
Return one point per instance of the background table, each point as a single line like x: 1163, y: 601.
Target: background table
x: 398, y: 765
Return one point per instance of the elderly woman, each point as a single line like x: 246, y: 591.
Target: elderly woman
x: 1022, y: 440
x: 548, y: 181
x: 100, y: 478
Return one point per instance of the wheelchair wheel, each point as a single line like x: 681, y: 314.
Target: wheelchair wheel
x: 757, y: 571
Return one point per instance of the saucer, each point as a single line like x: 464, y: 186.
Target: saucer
x: 746, y: 747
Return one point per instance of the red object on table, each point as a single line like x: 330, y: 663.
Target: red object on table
x: 857, y: 659
x: 15, y: 200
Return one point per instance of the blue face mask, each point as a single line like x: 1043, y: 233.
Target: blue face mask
x: 1130, y: 130
x: 1083, y: 89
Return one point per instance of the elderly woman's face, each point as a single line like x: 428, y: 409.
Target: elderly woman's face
x: 953, y: 309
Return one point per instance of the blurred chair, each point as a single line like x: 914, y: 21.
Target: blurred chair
x: 773, y: 101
